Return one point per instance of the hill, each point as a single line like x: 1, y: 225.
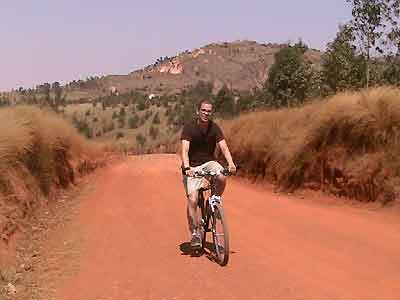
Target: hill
x: 240, y: 65
x: 116, y: 108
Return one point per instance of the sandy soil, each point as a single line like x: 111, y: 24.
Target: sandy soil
x: 132, y: 227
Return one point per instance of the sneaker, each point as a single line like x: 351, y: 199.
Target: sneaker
x: 195, y: 242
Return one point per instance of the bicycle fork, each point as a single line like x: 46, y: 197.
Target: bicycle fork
x: 213, y: 201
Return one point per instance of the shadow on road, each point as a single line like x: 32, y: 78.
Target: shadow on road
x: 187, y: 250
x: 208, y: 251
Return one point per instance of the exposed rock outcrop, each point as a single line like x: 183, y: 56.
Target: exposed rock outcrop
x: 172, y: 67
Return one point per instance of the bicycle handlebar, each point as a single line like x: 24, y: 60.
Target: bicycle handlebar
x: 224, y: 172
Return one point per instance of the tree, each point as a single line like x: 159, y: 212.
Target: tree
x: 122, y: 112
x: 45, y: 89
x: 369, y: 25
x: 224, y: 104
x: 341, y: 67
x: 4, y: 101
x: 153, y: 132
x: 184, y: 113
x: 156, y: 118
x: 147, y: 115
x: 289, y: 78
x: 250, y: 100
x: 56, y: 87
x: 133, y: 122
x: 391, y: 74
x: 202, y: 90
x: 121, y: 121
x: 140, y: 139
x: 393, y: 20
x: 142, y: 104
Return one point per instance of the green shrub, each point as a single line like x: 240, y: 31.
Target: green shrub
x: 121, y: 121
x: 133, y: 121
x: 122, y: 112
x: 141, y: 139
x: 148, y: 114
x: 142, y: 105
x: 156, y: 119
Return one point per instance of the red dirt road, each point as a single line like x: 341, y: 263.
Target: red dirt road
x: 282, y: 248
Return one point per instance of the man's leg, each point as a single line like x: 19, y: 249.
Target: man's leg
x: 193, y: 214
x: 192, y: 186
x: 193, y: 211
x: 219, y: 185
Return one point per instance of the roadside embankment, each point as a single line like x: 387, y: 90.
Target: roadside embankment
x: 348, y: 145
x: 40, y: 154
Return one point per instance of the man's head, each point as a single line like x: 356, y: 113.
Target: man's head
x: 204, y: 110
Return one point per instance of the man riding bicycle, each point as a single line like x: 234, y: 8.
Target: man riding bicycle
x: 199, y: 139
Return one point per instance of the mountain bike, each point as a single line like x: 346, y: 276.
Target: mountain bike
x: 213, y: 218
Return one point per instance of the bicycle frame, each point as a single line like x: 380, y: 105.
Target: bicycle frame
x: 211, y: 177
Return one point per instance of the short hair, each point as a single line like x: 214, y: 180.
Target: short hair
x: 204, y: 101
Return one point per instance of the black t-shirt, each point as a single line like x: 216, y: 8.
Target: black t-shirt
x: 202, y: 144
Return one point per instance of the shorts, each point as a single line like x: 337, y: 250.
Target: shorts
x: 193, y: 184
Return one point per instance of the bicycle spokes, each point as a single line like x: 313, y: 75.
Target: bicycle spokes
x: 220, y: 236
x: 213, y: 221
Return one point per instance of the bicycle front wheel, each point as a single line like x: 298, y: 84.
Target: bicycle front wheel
x: 220, y: 235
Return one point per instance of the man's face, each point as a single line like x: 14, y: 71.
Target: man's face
x: 204, y: 112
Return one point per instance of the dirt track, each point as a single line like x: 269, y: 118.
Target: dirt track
x: 282, y: 248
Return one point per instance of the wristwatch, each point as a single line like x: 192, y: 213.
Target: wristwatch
x: 186, y: 169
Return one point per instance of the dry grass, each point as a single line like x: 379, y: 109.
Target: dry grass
x: 39, y: 153
x: 348, y: 145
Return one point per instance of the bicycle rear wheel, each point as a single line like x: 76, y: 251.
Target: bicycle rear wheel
x: 220, y: 235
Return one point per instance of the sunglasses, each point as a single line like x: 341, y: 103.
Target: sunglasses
x: 206, y: 110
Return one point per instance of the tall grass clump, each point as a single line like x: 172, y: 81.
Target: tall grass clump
x: 40, y: 153
x: 348, y: 145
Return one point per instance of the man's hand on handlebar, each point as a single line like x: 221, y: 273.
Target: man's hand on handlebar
x: 232, y: 168
x: 189, y: 172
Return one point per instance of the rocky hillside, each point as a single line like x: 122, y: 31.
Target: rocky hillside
x: 240, y: 65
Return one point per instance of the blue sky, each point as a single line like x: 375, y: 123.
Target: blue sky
x: 47, y: 41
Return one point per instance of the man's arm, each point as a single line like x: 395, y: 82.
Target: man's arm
x: 225, y: 151
x: 185, y: 157
x: 185, y: 153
